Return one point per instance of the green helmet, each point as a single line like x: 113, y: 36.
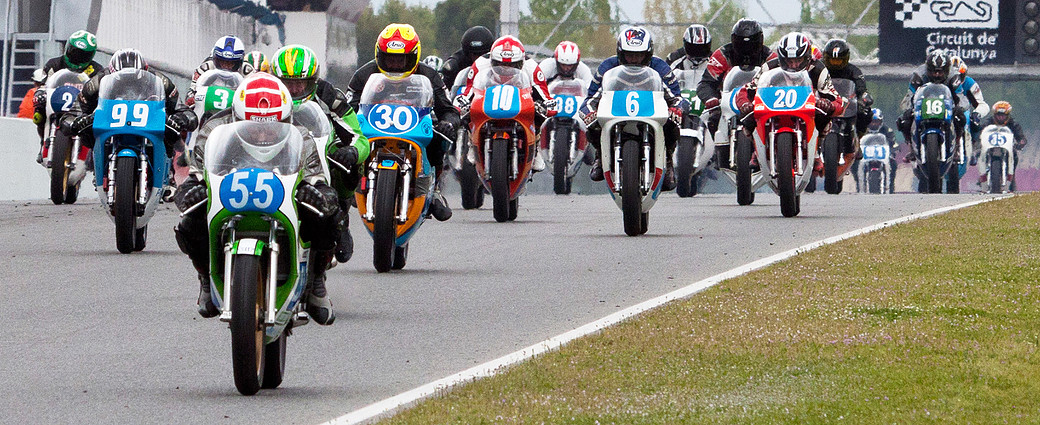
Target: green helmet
x: 79, y: 50
x: 297, y: 67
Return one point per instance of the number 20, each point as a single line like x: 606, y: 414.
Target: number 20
x: 140, y: 115
x: 785, y: 99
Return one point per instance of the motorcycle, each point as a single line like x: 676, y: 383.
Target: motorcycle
x: 732, y: 146
x: 934, y: 142
x: 997, y: 160
x: 64, y: 156
x: 502, y: 135
x: 395, y: 195
x: 874, y: 167
x: 632, y: 114
x: 215, y: 90
x: 562, y: 139
x: 258, y: 269
x: 841, y: 138
x: 696, y: 145
x: 130, y: 161
x: 785, y: 134
x: 465, y: 172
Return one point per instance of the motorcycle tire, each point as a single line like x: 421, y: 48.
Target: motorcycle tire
x: 60, y: 148
x: 785, y: 143
x: 500, y: 179
x: 400, y: 257
x: 931, y: 163
x: 745, y: 192
x: 514, y: 208
x: 274, y: 362
x: 384, y: 225
x: 72, y: 194
x: 811, y: 187
x: 631, y: 192
x: 831, y: 154
x: 644, y: 223
x: 470, y: 186
x: 248, y: 353
x: 561, y: 160
x: 125, y: 209
x: 996, y: 175
x: 684, y: 154
x: 874, y: 182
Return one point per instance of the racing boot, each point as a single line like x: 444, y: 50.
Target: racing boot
x: 207, y: 308
x: 319, y: 307
x: 344, y: 242
x: 538, y: 164
x: 596, y: 173
x: 439, y: 208
x: 668, y: 183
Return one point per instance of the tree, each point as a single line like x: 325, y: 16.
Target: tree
x: 393, y: 11
x: 595, y: 40
x: 453, y: 17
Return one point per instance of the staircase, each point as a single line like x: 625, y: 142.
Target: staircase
x: 22, y: 54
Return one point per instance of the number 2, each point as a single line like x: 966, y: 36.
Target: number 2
x: 67, y: 98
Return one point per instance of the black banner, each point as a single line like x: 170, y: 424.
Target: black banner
x: 982, y: 32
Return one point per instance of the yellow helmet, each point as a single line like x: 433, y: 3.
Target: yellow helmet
x: 398, y: 50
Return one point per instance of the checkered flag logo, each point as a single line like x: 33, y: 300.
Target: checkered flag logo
x: 908, y: 9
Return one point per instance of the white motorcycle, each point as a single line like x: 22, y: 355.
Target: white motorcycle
x: 997, y: 160
x: 874, y: 167
x: 632, y: 114
x: 563, y: 142
x: 65, y: 156
x: 696, y: 145
x: 733, y: 146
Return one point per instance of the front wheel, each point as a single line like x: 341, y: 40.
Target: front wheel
x: 561, y: 160
x: 931, y: 163
x: 500, y: 179
x: 996, y: 175
x: 124, y: 211
x: 745, y: 192
x: 874, y: 182
x: 60, y: 147
x: 384, y: 229
x: 140, y: 238
x: 247, y: 326
x: 631, y: 192
x: 400, y: 257
x: 686, y: 183
x: 831, y: 153
x: 953, y: 180
x: 785, y: 174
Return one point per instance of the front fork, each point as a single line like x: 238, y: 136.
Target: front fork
x: 800, y: 154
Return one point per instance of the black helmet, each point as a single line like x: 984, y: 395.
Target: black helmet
x: 126, y: 59
x: 746, y: 39
x: 836, y: 54
x: 696, y: 43
x: 937, y: 66
x: 477, y: 41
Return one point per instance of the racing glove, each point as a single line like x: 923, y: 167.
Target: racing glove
x: 38, y: 118
x: 79, y: 124
x: 448, y: 125
x: 189, y: 193
x: 675, y: 113
x: 747, y: 108
x: 320, y: 196
x: 181, y: 122
x: 825, y: 106
x: 712, y: 105
x: 344, y: 157
x: 975, y: 118
x: 462, y: 102
x: 546, y: 108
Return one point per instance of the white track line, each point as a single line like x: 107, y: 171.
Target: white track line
x: 392, y: 404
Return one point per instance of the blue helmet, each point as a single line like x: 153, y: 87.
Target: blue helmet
x: 228, y: 53
x: 876, y: 120
x: 878, y: 116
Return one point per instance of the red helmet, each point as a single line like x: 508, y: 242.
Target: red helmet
x: 567, y: 56
x: 262, y: 97
x: 508, y: 51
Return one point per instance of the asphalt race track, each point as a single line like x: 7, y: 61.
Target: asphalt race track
x: 94, y: 336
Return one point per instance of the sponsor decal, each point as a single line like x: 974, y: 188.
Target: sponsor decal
x: 395, y: 45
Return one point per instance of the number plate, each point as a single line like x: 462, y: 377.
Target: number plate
x: 218, y: 98
x: 997, y: 139
x: 933, y: 108
x: 875, y: 152
x: 252, y: 189
x: 632, y: 104
x: 696, y: 107
x: 502, y: 102
x: 140, y: 114
x: 784, y: 98
x: 566, y: 105
x: 63, y: 97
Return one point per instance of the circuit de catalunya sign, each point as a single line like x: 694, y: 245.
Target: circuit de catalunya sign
x: 979, y: 31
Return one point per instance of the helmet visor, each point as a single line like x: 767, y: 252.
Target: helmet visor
x: 697, y: 51
x: 633, y: 58
x: 566, y: 70
x: 1000, y: 118
x: 837, y: 62
x: 794, y: 64
x: 79, y: 57
x: 301, y: 89
x: 227, y: 65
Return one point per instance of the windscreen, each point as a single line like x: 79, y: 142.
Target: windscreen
x: 272, y: 146
x: 414, y: 90
x: 632, y: 78
x: 310, y: 116
x: 220, y: 78
x: 738, y: 77
x: 780, y: 78
x: 65, y: 77
x: 568, y: 87
x: 933, y: 91
x: 131, y: 84
x: 501, y: 76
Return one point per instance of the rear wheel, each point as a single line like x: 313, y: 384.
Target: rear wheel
x: 247, y: 327
x: 59, y: 167
x: 785, y: 174
x: 931, y: 163
x: 500, y: 179
x: 125, y: 209
x: 686, y: 185
x: 831, y: 153
x: 384, y: 229
x: 631, y: 192
x: 274, y: 362
x: 745, y: 193
x: 996, y: 175
x: 561, y: 160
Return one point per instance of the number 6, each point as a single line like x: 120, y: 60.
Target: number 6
x: 632, y: 103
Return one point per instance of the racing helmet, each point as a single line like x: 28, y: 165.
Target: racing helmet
x: 836, y: 54
x: 79, y: 50
x: 957, y: 64
x: 635, y: 46
x: 258, y: 61
x: 794, y: 52
x: 937, y: 67
x: 39, y: 76
x: 434, y: 62
x: 1001, y: 112
x: 877, y: 119
x: 508, y: 51
x: 228, y: 52
x: 297, y: 67
x: 747, y: 40
x: 262, y: 97
x: 397, y: 51
x: 567, y: 56
x: 696, y: 43
x: 125, y: 59
x: 477, y: 41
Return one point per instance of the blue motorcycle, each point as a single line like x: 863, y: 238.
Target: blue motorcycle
x: 934, y: 141
x: 129, y: 154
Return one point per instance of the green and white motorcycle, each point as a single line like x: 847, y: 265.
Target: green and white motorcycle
x: 258, y: 263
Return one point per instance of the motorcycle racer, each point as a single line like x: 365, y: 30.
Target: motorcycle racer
x: 695, y: 51
x: 936, y: 70
x: 635, y: 46
x: 877, y: 125
x: 1001, y: 116
x: 476, y: 42
x: 78, y: 57
x: 565, y: 64
x: 228, y: 54
x: 745, y: 50
x: 258, y: 61
x: 836, y: 55
x: 261, y: 97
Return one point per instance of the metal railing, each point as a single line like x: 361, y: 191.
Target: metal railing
x: 23, y: 53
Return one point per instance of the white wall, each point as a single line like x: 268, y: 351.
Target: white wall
x: 22, y: 177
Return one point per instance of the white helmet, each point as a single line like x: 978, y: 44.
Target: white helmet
x: 38, y: 76
x: 434, y: 62
x: 262, y: 97
x: 508, y: 51
x: 635, y: 40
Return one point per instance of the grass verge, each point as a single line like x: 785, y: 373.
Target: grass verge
x: 933, y: 321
